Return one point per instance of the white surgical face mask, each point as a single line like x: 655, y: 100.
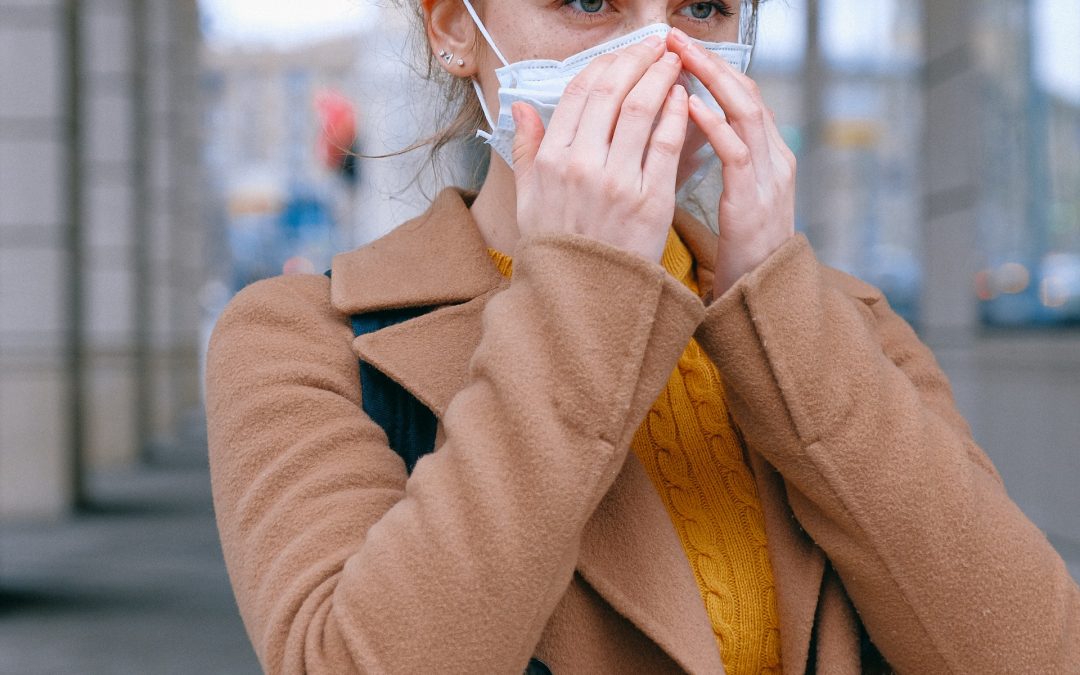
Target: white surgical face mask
x: 540, y: 83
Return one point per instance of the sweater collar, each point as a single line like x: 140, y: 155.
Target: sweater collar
x: 676, y: 259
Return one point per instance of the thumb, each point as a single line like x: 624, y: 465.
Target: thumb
x: 528, y: 132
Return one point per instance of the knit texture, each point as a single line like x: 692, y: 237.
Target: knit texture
x: 694, y: 456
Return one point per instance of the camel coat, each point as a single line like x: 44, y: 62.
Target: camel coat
x: 532, y: 531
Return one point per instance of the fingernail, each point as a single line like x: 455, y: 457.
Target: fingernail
x: 696, y: 101
x: 678, y: 91
x: 671, y: 57
x: 679, y: 36
x: 654, y: 41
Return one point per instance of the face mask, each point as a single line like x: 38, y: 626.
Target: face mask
x: 540, y: 83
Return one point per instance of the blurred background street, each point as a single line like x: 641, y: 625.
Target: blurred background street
x: 156, y: 156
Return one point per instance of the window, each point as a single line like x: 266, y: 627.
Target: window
x: 853, y: 114
x: 1030, y: 204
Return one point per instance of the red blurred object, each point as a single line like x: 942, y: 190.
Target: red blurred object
x: 339, y: 134
x: 298, y: 265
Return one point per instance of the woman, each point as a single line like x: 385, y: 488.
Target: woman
x: 657, y: 449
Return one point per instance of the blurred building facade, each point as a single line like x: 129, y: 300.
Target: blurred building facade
x: 276, y: 206
x: 101, y: 241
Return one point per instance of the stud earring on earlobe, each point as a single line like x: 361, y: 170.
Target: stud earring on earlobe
x: 461, y: 62
x: 446, y: 56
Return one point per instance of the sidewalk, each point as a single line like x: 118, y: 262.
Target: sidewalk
x: 137, y: 586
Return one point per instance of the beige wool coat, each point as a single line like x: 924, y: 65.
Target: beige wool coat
x: 532, y: 531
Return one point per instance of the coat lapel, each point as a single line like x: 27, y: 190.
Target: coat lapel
x: 632, y: 556
x: 437, y: 258
x: 797, y: 563
x: 630, y: 552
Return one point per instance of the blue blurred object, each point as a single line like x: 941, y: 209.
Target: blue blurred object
x: 295, y: 235
x: 308, y: 233
x: 1016, y: 294
x: 897, y: 272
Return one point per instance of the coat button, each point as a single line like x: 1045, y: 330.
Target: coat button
x: 537, y: 667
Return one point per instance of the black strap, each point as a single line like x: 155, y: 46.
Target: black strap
x: 408, y: 423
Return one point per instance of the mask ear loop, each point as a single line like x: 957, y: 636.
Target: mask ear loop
x: 487, y: 113
x: 484, y: 32
x: 476, y: 85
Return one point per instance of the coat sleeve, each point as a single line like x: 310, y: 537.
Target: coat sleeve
x: 836, y: 391
x: 340, y: 562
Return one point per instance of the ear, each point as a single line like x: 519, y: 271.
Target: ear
x: 450, y: 28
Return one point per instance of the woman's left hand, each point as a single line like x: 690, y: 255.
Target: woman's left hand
x: 757, y: 207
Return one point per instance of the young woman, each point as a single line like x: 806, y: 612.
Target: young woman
x: 656, y: 449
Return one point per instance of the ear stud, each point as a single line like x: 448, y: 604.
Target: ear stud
x: 461, y: 62
x: 445, y: 55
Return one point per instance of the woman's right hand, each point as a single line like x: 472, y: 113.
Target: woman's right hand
x: 605, y: 168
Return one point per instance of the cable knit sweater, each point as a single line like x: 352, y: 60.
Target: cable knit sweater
x: 693, y: 454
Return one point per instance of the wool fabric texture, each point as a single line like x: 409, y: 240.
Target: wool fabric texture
x: 694, y: 455
x: 533, y: 531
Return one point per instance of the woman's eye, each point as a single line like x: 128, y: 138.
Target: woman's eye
x: 587, y: 6
x: 703, y: 11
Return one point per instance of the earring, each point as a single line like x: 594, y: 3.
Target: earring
x: 461, y: 62
x: 446, y: 56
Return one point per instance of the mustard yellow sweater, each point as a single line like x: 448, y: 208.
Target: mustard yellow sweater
x: 695, y: 457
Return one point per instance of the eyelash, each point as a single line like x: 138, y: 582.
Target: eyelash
x: 722, y: 10
x: 579, y: 14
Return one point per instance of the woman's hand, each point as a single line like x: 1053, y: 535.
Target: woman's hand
x: 757, y: 207
x: 605, y: 168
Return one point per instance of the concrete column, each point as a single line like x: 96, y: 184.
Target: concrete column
x: 109, y: 171
x: 175, y: 223
x: 34, y: 257
x: 951, y: 170
x: 71, y: 205
x: 812, y: 211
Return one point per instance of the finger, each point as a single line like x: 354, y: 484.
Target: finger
x: 736, y: 163
x: 739, y: 100
x: 691, y: 161
x: 783, y: 157
x: 528, y: 133
x: 563, y: 125
x: 639, y: 112
x: 662, y: 157
x: 606, y: 97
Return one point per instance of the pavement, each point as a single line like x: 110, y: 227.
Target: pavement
x: 135, y: 585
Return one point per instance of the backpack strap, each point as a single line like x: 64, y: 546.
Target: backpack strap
x: 409, y: 424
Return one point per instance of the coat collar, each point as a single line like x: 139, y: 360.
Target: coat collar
x: 437, y: 258
x: 630, y: 552
x: 440, y: 258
